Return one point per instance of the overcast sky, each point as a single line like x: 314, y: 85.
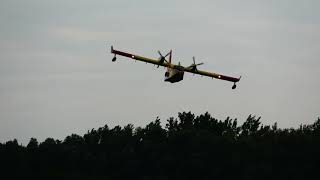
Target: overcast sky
x: 57, y: 78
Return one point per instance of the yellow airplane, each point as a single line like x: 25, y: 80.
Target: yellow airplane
x: 174, y: 72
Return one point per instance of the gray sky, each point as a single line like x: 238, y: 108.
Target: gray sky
x: 57, y: 78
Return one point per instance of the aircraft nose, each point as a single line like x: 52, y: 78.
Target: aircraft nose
x: 166, y: 74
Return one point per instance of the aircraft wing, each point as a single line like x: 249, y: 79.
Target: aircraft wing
x: 212, y: 75
x: 139, y: 58
x: 174, y: 66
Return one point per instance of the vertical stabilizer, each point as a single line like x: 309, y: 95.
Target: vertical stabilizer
x: 170, y: 57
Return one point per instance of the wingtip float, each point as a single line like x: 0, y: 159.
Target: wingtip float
x: 175, y: 72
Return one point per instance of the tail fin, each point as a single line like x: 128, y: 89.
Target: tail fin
x: 170, y: 56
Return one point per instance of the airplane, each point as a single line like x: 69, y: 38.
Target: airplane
x: 175, y: 72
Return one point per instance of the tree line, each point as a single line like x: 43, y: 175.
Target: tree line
x: 187, y: 147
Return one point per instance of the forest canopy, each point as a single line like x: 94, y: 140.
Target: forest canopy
x: 186, y: 147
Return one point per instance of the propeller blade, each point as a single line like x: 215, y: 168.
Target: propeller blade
x: 167, y: 54
x: 193, y: 66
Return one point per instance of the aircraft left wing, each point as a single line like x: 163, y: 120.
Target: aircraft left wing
x: 137, y: 57
x: 213, y: 75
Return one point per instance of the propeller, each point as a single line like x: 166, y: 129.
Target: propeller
x: 162, y: 58
x: 194, y: 65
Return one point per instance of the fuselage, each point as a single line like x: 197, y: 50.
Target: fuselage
x: 173, y: 75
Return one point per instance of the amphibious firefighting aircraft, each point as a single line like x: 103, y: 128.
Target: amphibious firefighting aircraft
x: 174, y: 72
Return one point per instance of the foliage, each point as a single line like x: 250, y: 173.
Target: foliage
x: 186, y: 147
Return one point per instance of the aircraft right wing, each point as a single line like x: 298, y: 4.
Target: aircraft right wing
x: 139, y: 58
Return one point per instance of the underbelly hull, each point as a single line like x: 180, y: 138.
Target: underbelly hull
x: 175, y: 77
